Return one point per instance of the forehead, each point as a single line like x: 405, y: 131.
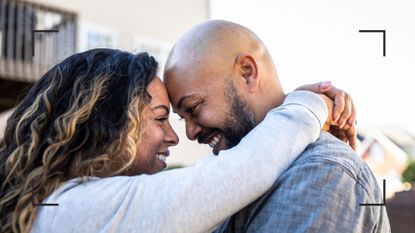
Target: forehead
x: 191, y: 85
x: 158, y: 93
x: 199, y: 76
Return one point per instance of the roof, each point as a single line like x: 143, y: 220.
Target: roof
x: 379, y: 137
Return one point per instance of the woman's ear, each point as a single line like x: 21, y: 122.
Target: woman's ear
x: 247, y: 68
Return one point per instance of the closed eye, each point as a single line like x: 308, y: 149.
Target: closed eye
x: 193, y: 110
x: 162, y: 119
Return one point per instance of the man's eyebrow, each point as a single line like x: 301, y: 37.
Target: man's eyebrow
x: 180, y: 103
x: 162, y: 107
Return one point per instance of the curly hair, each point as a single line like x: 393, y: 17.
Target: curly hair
x: 83, y: 118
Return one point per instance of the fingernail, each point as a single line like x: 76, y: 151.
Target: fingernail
x: 325, y: 85
x: 350, y: 121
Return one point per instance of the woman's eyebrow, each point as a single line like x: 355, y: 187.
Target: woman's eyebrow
x: 162, y: 107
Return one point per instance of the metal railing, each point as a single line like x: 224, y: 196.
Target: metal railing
x: 33, y: 37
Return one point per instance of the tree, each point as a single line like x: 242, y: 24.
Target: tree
x: 409, y: 174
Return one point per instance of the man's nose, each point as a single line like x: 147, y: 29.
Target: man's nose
x: 192, y: 130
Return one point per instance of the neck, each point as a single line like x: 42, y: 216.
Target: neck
x: 272, y: 101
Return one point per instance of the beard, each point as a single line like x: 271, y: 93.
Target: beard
x: 239, y: 120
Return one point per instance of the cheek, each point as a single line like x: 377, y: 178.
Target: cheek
x: 151, y: 140
x: 211, y: 118
x: 157, y: 137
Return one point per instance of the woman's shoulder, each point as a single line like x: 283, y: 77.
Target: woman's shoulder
x: 81, y: 199
x: 90, y: 188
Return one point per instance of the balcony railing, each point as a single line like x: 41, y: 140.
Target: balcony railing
x: 26, y: 52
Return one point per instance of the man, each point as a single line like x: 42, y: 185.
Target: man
x: 221, y: 79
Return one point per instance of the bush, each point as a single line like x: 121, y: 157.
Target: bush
x: 174, y: 166
x: 409, y: 174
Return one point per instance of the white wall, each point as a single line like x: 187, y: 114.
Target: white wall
x: 160, y: 19
x: 3, y: 118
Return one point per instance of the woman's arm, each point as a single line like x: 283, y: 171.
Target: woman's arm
x: 197, y: 198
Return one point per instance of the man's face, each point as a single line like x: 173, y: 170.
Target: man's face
x: 214, y: 112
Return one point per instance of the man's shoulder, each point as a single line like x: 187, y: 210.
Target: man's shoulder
x: 327, y: 178
x: 331, y: 161
x: 330, y: 153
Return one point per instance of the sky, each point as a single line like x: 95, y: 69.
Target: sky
x: 319, y: 40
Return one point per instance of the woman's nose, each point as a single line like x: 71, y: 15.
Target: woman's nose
x: 171, y: 136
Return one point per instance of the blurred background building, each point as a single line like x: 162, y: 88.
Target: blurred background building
x: 295, y: 33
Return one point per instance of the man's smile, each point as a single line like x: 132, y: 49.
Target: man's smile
x: 213, y: 139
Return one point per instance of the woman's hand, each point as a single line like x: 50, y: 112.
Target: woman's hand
x: 342, y: 112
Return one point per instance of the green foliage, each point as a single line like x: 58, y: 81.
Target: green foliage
x: 174, y: 166
x: 409, y: 174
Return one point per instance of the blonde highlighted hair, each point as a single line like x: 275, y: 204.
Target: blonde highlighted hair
x: 83, y: 118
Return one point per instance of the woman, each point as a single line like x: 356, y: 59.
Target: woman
x: 91, y: 128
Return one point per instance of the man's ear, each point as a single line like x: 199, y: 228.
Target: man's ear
x: 247, y: 68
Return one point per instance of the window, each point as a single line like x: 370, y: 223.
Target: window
x: 96, y: 36
x: 156, y: 48
x: 377, y: 153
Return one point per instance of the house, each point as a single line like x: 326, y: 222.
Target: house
x: 25, y: 53
x: 385, y: 150
x: 382, y: 154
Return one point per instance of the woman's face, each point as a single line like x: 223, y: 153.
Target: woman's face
x: 158, y: 135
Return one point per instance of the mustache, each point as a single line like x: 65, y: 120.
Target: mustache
x: 202, y: 136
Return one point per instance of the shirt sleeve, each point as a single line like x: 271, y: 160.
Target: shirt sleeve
x: 197, y: 198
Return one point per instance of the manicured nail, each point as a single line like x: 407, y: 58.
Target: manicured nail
x: 350, y: 121
x: 325, y: 85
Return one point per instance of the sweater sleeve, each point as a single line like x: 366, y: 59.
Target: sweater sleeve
x: 192, y: 199
x: 198, y: 198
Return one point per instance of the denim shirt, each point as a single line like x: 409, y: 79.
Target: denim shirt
x: 320, y: 192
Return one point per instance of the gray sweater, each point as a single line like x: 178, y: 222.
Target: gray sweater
x: 192, y: 199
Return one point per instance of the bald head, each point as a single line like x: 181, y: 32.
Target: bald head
x: 217, y: 55
x: 220, y: 42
